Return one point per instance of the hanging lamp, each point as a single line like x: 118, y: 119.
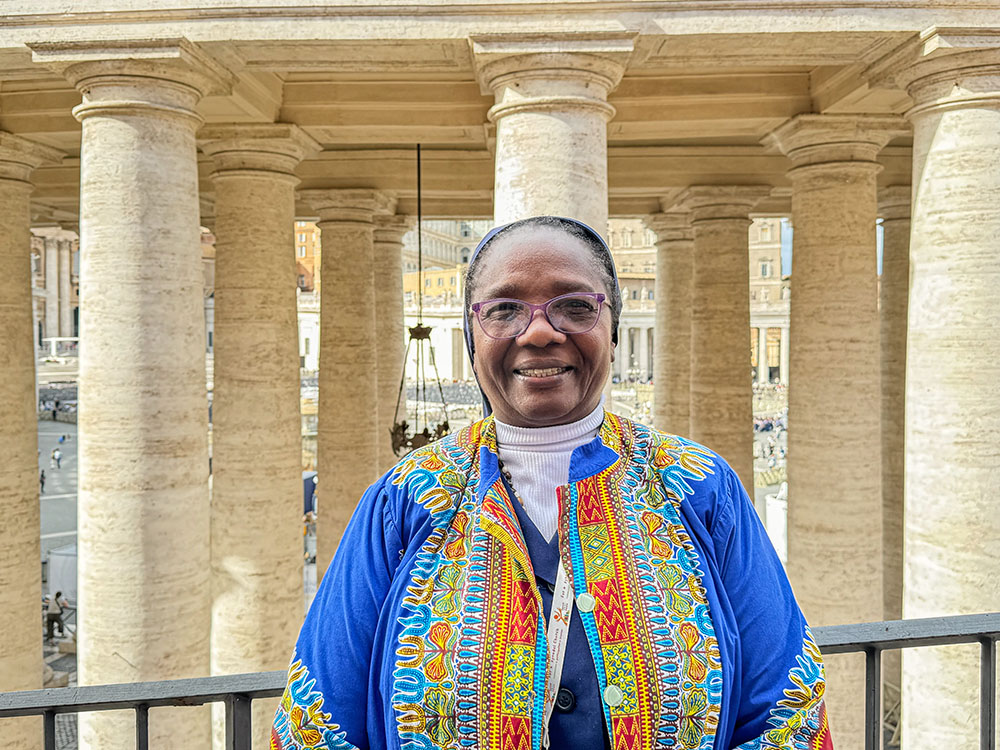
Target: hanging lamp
x: 406, y: 435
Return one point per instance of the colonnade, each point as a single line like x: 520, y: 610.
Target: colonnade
x: 162, y: 570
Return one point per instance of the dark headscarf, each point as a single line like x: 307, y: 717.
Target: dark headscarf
x: 599, y: 245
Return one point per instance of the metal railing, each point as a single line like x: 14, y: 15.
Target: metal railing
x: 238, y: 691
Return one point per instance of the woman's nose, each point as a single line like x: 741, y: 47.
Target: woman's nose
x: 540, y: 332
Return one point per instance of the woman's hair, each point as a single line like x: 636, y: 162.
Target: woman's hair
x: 603, y: 262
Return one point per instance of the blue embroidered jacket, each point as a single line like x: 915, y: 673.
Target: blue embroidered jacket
x: 428, y: 630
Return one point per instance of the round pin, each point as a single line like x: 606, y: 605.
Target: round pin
x: 586, y: 602
x: 613, y: 695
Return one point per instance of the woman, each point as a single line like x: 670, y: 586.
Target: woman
x: 554, y: 575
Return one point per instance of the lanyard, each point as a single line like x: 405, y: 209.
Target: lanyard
x: 557, y: 634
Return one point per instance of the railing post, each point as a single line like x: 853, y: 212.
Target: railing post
x: 49, y: 723
x: 873, y: 698
x: 988, y: 695
x: 238, y: 722
x: 142, y: 727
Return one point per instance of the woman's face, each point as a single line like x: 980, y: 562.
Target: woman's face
x: 543, y: 377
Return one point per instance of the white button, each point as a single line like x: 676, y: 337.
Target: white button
x: 613, y: 695
x: 586, y: 602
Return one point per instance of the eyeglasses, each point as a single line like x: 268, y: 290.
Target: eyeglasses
x: 567, y: 313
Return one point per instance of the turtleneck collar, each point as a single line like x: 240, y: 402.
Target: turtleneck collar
x: 555, y: 438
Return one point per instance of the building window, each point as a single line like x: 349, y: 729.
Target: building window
x: 453, y: 281
x: 466, y: 230
x: 302, y: 251
x: 765, y: 269
x: 36, y: 263
x: 302, y: 281
x: 305, y: 346
x: 427, y: 282
x: 627, y: 236
x: 440, y: 281
x: 649, y: 294
x: 635, y: 294
x: 300, y: 223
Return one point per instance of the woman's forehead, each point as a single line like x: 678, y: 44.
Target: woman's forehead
x: 540, y: 258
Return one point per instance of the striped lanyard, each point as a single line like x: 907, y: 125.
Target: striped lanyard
x: 557, y: 634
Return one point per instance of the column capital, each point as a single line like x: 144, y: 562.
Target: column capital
x: 894, y: 202
x: 347, y: 205
x: 670, y: 226
x: 550, y: 71
x: 256, y: 147
x: 392, y: 227
x: 707, y: 202
x: 810, y: 140
x: 162, y: 76
x: 944, y: 67
x: 19, y: 157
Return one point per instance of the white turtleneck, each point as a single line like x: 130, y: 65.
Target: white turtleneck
x: 538, y: 461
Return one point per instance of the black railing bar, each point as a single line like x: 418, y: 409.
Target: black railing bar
x: 930, y: 631
x: 49, y: 725
x: 988, y: 695
x: 142, y: 727
x: 873, y: 698
x: 187, y: 692
x: 238, y: 723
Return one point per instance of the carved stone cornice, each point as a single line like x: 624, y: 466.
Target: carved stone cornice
x: 19, y: 157
x: 349, y: 205
x: 274, y: 148
x: 715, y: 202
x: 894, y: 202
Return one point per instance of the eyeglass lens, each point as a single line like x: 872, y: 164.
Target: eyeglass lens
x: 507, y: 318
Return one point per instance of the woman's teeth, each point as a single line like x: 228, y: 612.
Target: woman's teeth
x: 543, y: 372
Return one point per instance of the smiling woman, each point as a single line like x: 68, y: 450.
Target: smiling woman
x: 555, y: 575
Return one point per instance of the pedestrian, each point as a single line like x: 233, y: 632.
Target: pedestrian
x: 54, y: 614
x: 62, y: 439
x: 41, y: 481
x: 55, y: 461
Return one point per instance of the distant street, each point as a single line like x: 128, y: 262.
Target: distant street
x: 59, y: 498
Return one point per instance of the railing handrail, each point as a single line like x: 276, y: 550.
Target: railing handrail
x: 239, y: 690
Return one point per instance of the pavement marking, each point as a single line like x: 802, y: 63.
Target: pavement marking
x: 56, y: 534
x: 59, y: 497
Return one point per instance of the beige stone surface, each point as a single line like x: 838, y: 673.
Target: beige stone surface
x: 20, y: 573
x: 721, y: 408
x: 672, y: 349
x: 256, y: 443
x: 390, y: 333
x: 894, y: 208
x: 347, y: 439
x: 143, y: 506
x: 952, y: 426
x: 65, y: 292
x: 51, y: 287
x: 834, y: 427
x: 551, y: 115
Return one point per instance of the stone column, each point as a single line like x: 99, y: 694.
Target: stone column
x: 894, y: 207
x: 643, y: 358
x: 672, y: 355
x: 347, y: 436
x: 952, y: 426
x: 763, y: 371
x: 551, y: 116
x: 143, y: 420
x: 256, y: 431
x: 390, y: 333
x: 65, y: 287
x: 20, y: 573
x: 785, y: 351
x: 721, y: 390
x: 834, y: 397
x: 623, y: 355
x: 51, y: 287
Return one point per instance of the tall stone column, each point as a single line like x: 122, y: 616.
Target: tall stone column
x: 20, y: 573
x: 51, y: 287
x: 256, y: 431
x: 672, y: 351
x: 763, y: 371
x: 834, y: 396
x: 894, y: 207
x: 551, y: 116
x: 390, y: 335
x: 952, y: 426
x: 347, y: 437
x: 785, y: 358
x: 143, y: 420
x: 65, y: 287
x: 721, y: 381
